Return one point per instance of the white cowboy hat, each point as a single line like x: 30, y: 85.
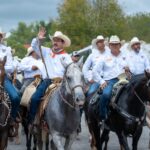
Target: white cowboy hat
x: 133, y: 41
x: 60, y: 35
x: 29, y: 51
x: 2, y: 33
x: 114, y: 39
x: 98, y: 38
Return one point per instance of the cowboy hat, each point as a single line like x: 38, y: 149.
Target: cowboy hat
x: 2, y: 33
x: 133, y: 41
x: 60, y: 35
x: 114, y: 39
x: 98, y: 38
x: 29, y: 51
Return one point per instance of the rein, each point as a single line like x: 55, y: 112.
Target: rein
x: 3, y: 102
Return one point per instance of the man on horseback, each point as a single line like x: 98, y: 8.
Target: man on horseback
x: 10, y: 89
x: 100, y: 52
x: 106, y: 72
x: 29, y: 66
x: 138, y: 61
x: 52, y: 59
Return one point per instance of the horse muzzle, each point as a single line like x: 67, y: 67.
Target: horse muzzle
x: 79, y: 98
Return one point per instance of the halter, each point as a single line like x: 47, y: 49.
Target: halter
x: 74, y: 105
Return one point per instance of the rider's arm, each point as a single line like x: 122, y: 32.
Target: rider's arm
x: 35, y: 45
x: 25, y: 65
x: 97, y: 72
x: 87, y: 68
x: 146, y: 63
x: 9, y: 62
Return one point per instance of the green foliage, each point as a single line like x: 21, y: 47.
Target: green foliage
x: 83, y: 20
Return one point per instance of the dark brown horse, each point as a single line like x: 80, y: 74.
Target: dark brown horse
x: 127, y: 115
x: 4, y: 109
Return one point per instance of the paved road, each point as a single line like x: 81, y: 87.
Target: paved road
x: 83, y: 142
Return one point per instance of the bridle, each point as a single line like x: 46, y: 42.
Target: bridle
x: 65, y: 77
x: 74, y: 105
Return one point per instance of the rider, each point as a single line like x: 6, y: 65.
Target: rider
x: 10, y: 89
x: 110, y: 67
x: 29, y: 66
x: 100, y: 52
x: 55, y: 60
x: 75, y: 56
x: 138, y: 60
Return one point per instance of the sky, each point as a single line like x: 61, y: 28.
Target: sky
x: 14, y: 11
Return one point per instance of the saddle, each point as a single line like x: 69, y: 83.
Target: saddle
x: 45, y: 99
x: 29, y: 91
x: 118, y: 87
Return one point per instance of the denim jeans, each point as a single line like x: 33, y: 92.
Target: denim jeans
x: 14, y: 96
x: 36, y: 98
x: 93, y: 87
x: 105, y: 98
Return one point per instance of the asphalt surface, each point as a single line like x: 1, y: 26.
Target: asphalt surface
x: 82, y: 142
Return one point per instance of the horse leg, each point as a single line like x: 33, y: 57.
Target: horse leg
x: 136, y: 138
x: 105, y: 138
x: 3, y: 140
x: 123, y: 141
x: 17, y: 141
x: 69, y: 141
x: 57, y: 140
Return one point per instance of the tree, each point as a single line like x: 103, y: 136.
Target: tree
x: 73, y: 21
x: 139, y: 25
x: 108, y: 18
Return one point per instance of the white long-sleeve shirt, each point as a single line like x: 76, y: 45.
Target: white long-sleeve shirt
x: 26, y: 67
x: 6, y: 51
x: 54, y: 62
x: 91, y: 62
x: 138, y: 62
x: 110, y: 67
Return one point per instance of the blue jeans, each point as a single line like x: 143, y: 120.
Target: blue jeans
x: 93, y: 87
x: 105, y: 98
x: 36, y: 98
x: 14, y: 96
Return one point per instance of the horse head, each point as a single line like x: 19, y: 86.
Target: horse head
x: 74, y: 82
x: 2, y: 69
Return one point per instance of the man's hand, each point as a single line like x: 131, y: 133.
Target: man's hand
x: 35, y: 68
x: 126, y: 69
x: 42, y: 32
x: 103, y: 85
x: 91, y: 81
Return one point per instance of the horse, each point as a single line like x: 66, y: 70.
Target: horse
x: 4, y: 109
x: 62, y: 113
x: 126, y: 117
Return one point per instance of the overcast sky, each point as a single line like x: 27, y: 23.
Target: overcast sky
x: 14, y: 11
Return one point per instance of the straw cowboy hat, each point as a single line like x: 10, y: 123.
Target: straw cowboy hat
x: 98, y: 38
x: 133, y: 41
x: 29, y: 51
x: 2, y: 33
x: 60, y: 35
x: 114, y: 39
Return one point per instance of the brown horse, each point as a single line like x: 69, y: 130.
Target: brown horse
x: 4, y: 109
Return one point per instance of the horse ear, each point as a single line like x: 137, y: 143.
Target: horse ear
x: 80, y: 62
x: 147, y: 74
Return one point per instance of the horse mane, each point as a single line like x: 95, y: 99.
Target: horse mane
x: 135, y: 80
